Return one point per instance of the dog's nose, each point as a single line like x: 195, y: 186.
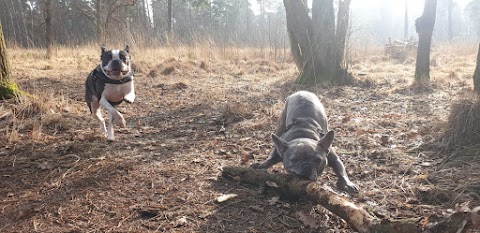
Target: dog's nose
x: 115, y: 65
x: 308, y: 170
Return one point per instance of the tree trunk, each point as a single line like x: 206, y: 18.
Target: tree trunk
x: 424, y: 27
x: 298, y: 26
x: 405, y: 22
x: 99, y: 23
x: 169, y: 20
x: 8, y: 89
x: 324, y: 65
x: 48, y: 27
x: 342, y: 28
x: 291, y: 187
x: 476, y: 74
x: 318, y: 50
x: 450, y: 31
x: 25, y: 37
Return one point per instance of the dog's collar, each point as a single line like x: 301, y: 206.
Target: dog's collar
x: 99, y: 73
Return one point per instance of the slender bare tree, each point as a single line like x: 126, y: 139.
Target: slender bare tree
x: 450, y: 30
x: 169, y: 20
x: 424, y: 27
x: 48, y: 27
x: 99, y: 22
x: 476, y: 74
x: 405, y: 22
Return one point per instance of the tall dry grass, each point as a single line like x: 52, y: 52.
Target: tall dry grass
x: 29, y: 117
x: 52, y: 81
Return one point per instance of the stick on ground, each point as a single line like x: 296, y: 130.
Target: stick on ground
x: 358, y: 218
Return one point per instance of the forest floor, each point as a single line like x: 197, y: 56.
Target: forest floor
x: 197, y: 111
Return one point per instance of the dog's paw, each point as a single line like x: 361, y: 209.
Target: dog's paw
x: 119, y: 120
x: 129, y: 98
x: 348, y: 187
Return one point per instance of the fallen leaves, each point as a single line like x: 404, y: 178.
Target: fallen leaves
x: 307, y: 220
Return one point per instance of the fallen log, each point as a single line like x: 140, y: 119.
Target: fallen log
x: 291, y: 187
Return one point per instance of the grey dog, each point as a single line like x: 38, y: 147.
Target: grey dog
x: 302, y: 141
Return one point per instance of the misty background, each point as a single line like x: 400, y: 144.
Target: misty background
x: 254, y: 23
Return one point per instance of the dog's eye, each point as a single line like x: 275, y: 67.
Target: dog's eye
x: 122, y: 57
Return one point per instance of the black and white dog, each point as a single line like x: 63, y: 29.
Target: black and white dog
x: 109, y: 85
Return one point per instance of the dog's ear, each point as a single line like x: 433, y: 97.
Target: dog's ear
x: 280, y: 144
x: 103, y: 49
x: 127, y: 48
x: 326, y: 141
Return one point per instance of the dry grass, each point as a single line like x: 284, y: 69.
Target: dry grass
x: 463, y: 124
x: 216, y: 107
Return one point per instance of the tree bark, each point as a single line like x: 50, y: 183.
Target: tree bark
x: 424, y: 27
x: 324, y: 66
x: 299, y: 27
x: 8, y: 89
x: 317, y: 48
x: 290, y: 187
x: 476, y: 74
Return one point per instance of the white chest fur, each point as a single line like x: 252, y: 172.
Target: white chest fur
x: 118, y: 92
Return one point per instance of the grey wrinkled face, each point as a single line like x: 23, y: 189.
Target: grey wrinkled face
x: 304, y: 158
x: 116, y: 63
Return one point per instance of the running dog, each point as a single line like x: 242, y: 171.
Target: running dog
x: 108, y: 85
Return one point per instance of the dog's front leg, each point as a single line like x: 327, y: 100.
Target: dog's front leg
x: 110, y: 133
x: 343, y: 182
x: 130, y: 96
x: 272, y: 159
x: 113, y: 116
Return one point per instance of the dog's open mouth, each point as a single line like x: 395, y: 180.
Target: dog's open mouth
x: 117, y: 73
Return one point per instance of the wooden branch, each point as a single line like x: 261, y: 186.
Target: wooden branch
x: 291, y: 187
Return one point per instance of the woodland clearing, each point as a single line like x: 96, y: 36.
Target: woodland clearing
x: 200, y: 109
